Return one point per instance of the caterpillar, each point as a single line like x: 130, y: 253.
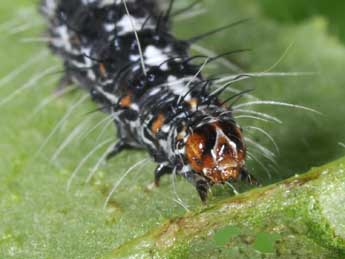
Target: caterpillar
x: 123, y: 53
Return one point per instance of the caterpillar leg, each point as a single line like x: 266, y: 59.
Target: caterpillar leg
x: 117, y: 148
x: 64, y: 82
x: 201, y: 184
x: 247, y: 177
x: 124, y: 141
x: 161, y: 170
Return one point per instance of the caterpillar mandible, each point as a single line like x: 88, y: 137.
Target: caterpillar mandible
x: 122, y: 52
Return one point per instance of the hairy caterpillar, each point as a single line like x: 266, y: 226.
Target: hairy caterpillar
x: 133, y: 204
x: 123, y: 54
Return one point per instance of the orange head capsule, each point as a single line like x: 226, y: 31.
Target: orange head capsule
x: 217, y: 152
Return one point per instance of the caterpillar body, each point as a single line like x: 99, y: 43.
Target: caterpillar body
x: 122, y: 52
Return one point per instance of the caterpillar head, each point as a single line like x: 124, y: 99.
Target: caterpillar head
x: 216, y: 151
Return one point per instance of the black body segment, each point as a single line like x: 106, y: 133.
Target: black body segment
x: 124, y: 54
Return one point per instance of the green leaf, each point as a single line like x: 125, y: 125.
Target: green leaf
x: 224, y: 235
x: 41, y: 219
x: 265, y: 242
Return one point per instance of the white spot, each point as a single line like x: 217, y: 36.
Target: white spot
x: 176, y: 87
x: 134, y: 107
x: 134, y: 57
x: 112, y: 98
x: 87, y: 2
x: 186, y: 169
x: 181, y: 151
x: 104, y: 3
x: 155, y: 57
x: 49, y: 7
x: 109, y: 27
x: 165, y: 128
x: 63, y: 40
x: 129, y: 24
x: 155, y: 91
x: 220, y: 134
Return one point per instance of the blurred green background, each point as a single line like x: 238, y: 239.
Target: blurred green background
x: 296, y: 11
x: 40, y: 219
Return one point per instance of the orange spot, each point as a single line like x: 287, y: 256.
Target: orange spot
x: 126, y: 101
x: 193, y: 103
x: 102, y: 70
x: 158, y: 123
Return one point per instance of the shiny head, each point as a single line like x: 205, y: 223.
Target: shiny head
x: 216, y: 151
